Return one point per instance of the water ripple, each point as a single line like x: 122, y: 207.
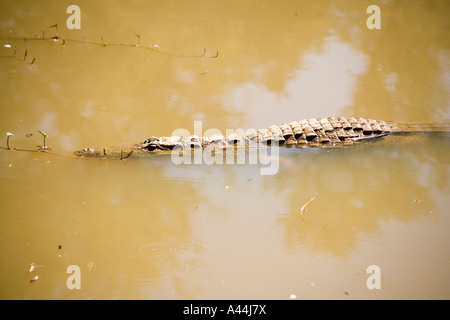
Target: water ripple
x: 159, y: 261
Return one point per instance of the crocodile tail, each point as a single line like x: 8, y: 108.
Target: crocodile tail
x: 403, y: 126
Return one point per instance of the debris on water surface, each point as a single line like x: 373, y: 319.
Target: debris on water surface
x: 205, y: 72
x: 32, y: 267
x: 35, y: 278
x: 90, y: 265
x: 303, y: 210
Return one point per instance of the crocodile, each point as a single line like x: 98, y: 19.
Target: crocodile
x: 305, y: 133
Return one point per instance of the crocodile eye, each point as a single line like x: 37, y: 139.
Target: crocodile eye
x: 89, y: 150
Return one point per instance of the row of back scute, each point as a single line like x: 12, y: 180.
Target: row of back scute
x: 320, y: 131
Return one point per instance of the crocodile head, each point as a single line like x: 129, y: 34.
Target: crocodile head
x: 119, y: 152
x: 89, y: 153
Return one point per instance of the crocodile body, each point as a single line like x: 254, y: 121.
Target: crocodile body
x: 320, y: 132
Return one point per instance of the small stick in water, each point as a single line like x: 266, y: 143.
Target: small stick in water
x: 303, y: 210
x: 35, y: 278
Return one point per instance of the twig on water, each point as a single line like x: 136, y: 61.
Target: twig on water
x: 62, y: 41
x: 302, y: 209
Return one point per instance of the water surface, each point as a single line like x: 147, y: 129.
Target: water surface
x: 149, y: 229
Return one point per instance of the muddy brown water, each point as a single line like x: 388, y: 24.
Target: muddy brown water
x: 150, y: 229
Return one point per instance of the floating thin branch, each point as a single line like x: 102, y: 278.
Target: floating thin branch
x: 303, y: 210
x: 56, y: 39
